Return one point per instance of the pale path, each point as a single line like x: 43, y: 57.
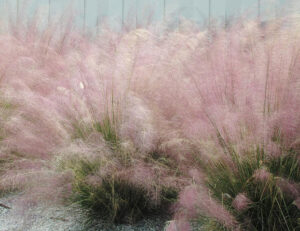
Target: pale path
x: 60, y: 219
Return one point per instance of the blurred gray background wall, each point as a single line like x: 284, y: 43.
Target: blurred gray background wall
x: 90, y: 13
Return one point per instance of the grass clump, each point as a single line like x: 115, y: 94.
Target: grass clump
x: 108, y: 130
x: 104, y: 193
x: 106, y: 127
x: 114, y: 199
x: 259, y: 190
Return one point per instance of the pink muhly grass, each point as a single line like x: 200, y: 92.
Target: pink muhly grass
x: 196, y: 176
x: 94, y: 180
x: 188, y: 200
x: 241, y: 202
x: 55, y: 187
x: 138, y: 124
x: 145, y: 176
x: 194, y: 201
x: 182, y: 90
x: 262, y: 175
x: 288, y: 188
x: 273, y: 149
x: 154, y: 179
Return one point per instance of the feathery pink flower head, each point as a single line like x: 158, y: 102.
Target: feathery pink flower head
x: 290, y: 189
x: 94, y: 180
x: 241, y: 202
x: 261, y: 175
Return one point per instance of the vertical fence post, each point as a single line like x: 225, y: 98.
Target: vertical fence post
x: 164, y: 10
x: 226, y: 14
x: 18, y: 8
x: 49, y: 11
x: 100, y: 6
x: 97, y: 25
x: 193, y: 11
x: 84, y: 15
x: 123, y: 13
x: 209, y: 14
x: 136, y: 16
x: 258, y: 10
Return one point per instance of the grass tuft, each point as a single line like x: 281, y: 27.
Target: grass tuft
x: 114, y: 199
x: 270, y: 208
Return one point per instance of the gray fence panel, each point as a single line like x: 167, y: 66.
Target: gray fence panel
x: 92, y: 13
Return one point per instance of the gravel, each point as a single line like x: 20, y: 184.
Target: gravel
x: 61, y: 218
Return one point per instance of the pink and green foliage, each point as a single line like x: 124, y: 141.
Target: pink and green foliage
x: 155, y: 110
